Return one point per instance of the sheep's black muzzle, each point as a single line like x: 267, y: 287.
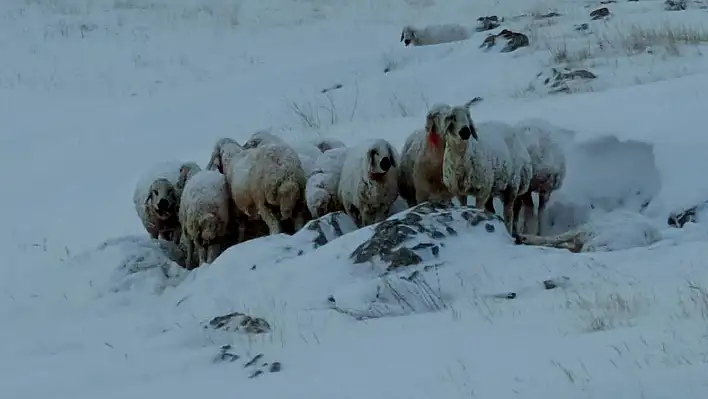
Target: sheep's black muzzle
x: 407, y: 42
x: 465, y: 133
x: 385, y: 164
x: 163, y: 205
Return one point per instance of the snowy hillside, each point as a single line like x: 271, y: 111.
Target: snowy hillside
x: 94, y: 92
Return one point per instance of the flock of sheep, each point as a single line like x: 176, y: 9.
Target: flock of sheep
x: 269, y: 186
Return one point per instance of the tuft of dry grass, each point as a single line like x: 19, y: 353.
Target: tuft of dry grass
x: 665, y: 40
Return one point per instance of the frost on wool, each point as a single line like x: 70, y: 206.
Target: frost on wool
x: 307, y: 151
x: 157, y: 202
x: 544, y: 144
x: 484, y: 168
x: 321, y: 189
x: 420, y: 171
x: 204, y: 216
x: 368, y: 184
x: 434, y: 34
x: 266, y: 182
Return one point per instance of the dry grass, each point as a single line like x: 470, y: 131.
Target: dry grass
x: 666, y: 40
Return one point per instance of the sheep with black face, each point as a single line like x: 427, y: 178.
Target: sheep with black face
x: 368, y: 183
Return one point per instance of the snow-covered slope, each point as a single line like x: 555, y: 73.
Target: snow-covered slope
x: 92, y: 93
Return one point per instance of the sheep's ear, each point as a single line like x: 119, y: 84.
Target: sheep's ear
x: 473, y: 101
x: 430, y: 126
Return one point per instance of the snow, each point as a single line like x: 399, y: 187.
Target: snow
x: 95, y: 93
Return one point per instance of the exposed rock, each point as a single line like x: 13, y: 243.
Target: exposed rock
x: 415, y: 235
x: 600, y: 13
x: 584, y: 27
x: 565, y: 80
x: 678, y: 219
x: 488, y: 23
x: 514, y: 40
x: 675, y: 5
x: 239, y: 322
x: 329, y: 227
x: 550, y: 14
x: 255, y: 367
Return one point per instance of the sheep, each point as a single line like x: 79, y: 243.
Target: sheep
x: 157, y: 200
x: 483, y: 166
x: 321, y: 189
x: 612, y: 231
x: 262, y: 178
x: 307, y: 152
x: 549, y: 168
x: 203, y: 214
x: 368, y: 184
x: 521, y: 167
x: 420, y: 171
x: 434, y: 34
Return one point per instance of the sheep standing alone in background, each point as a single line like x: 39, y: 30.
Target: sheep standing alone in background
x: 434, y: 34
x: 368, y: 184
x: 204, y: 215
x: 321, y: 189
x: 548, y: 164
x: 157, y: 200
x: 483, y: 168
x: 264, y: 181
x: 420, y: 171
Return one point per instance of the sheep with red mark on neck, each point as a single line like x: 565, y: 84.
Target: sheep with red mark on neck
x: 368, y: 184
x: 420, y: 172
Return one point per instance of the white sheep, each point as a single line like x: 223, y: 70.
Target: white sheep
x: 521, y: 167
x: 204, y: 215
x: 420, y: 170
x: 484, y: 168
x: 612, y: 231
x: 263, y: 181
x: 157, y: 200
x: 321, y: 189
x: 543, y: 142
x: 368, y: 184
x: 434, y: 34
x: 307, y: 151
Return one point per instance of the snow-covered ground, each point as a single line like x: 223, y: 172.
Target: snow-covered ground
x: 94, y: 92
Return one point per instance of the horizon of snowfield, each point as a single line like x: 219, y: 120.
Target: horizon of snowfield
x: 96, y: 92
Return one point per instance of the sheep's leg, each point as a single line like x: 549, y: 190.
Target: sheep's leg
x: 462, y: 199
x: 526, y: 201
x: 201, y: 253
x: 543, y: 197
x: 176, y: 236
x: 269, y: 218
x: 370, y: 216
x: 154, y: 234
x: 480, y: 202
x: 212, y: 252
x: 189, y: 249
x: 517, y: 212
x: 299, y: 220
x: 489, y: 205
x: 355, y: 215
x: 508, y: 199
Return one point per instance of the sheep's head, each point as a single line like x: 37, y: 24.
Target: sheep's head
x: 408, y: 35
x: 327, y: 144
x: 261, y: 137
x: 435, y: 124
x: 224, y: 150
x: 458, y: 124
x: 380, y: 159
x: 163, y: 199
x: 186, y: 171
x: 208, y: 228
